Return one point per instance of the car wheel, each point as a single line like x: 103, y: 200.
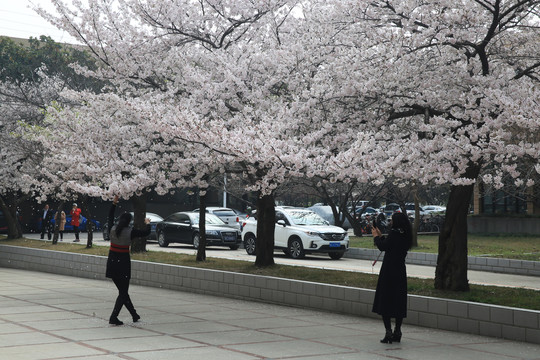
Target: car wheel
x: 296, y: 249
x: 234, y: 247
x: 161, y: 240
x: 335, y: 255
x: 249, y: 244
x: 196, y: 241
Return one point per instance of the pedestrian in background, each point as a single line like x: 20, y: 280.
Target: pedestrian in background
x: 119, y: 261
x: 60, y: 219
x: 46, y: 217
x: 391, y: 293
x: 75, y: 220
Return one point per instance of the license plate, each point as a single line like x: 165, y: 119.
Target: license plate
x: 229, y: 238
x: 335, y: 244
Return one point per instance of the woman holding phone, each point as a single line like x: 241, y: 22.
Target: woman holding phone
x: 391, y: 293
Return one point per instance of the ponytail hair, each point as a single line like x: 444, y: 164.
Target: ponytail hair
x: 123, y: 222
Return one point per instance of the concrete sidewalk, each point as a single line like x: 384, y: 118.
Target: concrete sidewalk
x: 48, y: 316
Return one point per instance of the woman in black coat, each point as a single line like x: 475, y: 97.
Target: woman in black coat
x: 119, y: 261
x: 391, y: 294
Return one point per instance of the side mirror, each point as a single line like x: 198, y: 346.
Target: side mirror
x: 282, y: 223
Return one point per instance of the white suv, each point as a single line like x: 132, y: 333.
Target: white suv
x: 300, y: 231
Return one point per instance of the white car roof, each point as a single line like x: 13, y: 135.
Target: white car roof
x: 214, y: 208
x: 285, y: 208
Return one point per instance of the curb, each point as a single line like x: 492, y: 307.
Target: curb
x: 467, y: 317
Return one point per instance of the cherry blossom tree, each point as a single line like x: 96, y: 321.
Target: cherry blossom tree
x: 208, y: 86
x: 449, y: 91
x: 107, y: 146
x: 367, y: 90
x: 31, y: 76
x: 18, y: 157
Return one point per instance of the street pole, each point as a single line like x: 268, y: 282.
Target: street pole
x: 225, y: 191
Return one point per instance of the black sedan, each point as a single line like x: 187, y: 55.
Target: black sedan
x: 183, y: 227
x: 154, y: 219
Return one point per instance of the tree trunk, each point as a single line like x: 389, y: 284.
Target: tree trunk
x: 451, y: 271
x: 201, y: 250
x: 416, y: 223
x: 266, y: 221
x: 138, y: 245
x: 89, y: 223
x: 8, y: 205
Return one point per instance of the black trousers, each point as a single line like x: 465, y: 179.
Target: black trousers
x: 76, y: 230
x: 122, y: 284
x: 46, y: 228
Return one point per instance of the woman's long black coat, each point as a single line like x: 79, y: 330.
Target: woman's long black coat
x: 391, y: 294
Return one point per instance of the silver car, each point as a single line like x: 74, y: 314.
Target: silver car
x: 229, y: 216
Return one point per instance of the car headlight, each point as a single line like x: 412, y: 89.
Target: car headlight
x: 314, y: 233
x: 212, y: 232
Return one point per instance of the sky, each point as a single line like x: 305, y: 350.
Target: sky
x: 17, y: 19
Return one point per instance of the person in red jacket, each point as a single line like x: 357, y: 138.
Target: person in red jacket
x: 75, y: 220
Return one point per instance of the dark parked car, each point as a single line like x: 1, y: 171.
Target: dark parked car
x: 3, y: 223
x: 154, y: 219
x: 389, y: 209
x: 183, y: 227
x: 367, y: 211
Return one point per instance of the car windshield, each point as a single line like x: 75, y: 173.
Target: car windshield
x: 210, y: 219
x: 306, y: 218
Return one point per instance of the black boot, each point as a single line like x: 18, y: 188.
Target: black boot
x: 396, y: 336
x: 132, y: 311
x: 113, y: 320
x: 388, y: 337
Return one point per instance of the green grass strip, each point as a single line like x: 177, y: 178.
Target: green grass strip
x: 497, y: 246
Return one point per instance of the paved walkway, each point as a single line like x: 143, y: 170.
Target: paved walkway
x: 47, y: 316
